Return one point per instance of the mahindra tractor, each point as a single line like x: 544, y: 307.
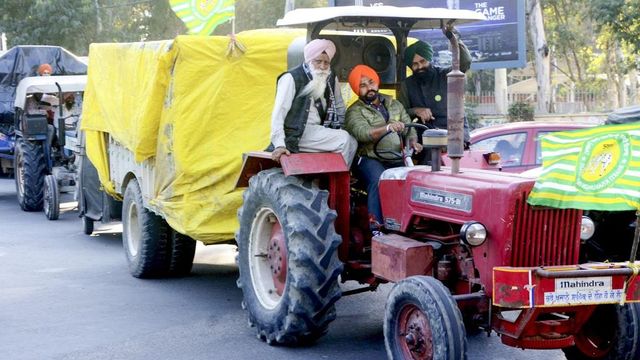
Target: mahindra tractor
x: 463, y: 247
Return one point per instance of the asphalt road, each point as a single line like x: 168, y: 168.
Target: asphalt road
x: 66, y: 295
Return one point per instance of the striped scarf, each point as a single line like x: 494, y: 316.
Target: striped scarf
x: 330, y: 117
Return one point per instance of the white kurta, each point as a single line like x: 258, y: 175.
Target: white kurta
x: 315, y: 138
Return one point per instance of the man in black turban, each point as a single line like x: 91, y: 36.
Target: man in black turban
x: 424, y: 94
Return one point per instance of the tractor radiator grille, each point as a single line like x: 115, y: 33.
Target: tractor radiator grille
x: 545, y: 236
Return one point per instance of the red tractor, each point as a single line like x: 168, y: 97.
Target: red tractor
x: 463, y: 247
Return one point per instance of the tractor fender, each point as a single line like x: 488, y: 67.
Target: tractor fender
x: 294, y: 164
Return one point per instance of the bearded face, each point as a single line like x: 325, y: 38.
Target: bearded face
x: 320, y: 70
x: 368, y: 89
x: 371, y: 95
x: 69, y: 102
x: 419, y: 66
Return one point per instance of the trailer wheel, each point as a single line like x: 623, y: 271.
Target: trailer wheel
x: 612, y: 332
x: 422, y: 321
x: 51, y: 198
x: 87, y: 225
x: 287, y: 258
x: 183, y: 248
x: 29, y: 165
x: 145, y: 236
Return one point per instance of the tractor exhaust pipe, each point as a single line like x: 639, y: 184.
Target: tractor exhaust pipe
x: 455, y: 103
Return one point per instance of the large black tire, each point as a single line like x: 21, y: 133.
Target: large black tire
x: 422, y: 321
x: 51, y: 199
x: 145, y: 236
x: 183, y: 248
x: 298, y: 308
x: 30, y: 169
x: 612, y: 333
x: 87, y: 225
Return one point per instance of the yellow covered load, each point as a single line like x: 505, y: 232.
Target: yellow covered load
x: 187, y: 110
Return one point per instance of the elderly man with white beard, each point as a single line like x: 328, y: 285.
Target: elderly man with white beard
x: 308, y: 114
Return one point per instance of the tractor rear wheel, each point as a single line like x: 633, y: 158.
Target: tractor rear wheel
x: 612, y: 332
x: 145, y: 236
x: 287, y: 258
x: 51, y: 198
x: 30, y: 169
x: 422, y: 321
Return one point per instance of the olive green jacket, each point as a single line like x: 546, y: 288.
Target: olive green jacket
x: 361, y: 118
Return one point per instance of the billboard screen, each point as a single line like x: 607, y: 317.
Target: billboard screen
x: 498, y: 42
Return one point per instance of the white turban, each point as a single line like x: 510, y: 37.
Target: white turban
x: 316, y: 47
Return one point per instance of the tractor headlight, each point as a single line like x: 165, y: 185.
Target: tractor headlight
x: 473, y: 233
x: 587, y: 228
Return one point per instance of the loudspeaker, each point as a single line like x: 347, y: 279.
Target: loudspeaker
x: 376, y: 51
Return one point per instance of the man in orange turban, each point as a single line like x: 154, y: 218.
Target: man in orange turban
x: 356, y: 75
x: 368, y: 119
x: 45, y: 70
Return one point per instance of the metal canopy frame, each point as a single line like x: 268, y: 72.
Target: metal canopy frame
x: 398, y: 20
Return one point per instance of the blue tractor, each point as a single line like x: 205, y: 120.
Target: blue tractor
x: 27, y: 144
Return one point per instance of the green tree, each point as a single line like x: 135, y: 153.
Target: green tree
x: 571, y: 36
x: 74, y: 24
x: 251, y: 14
x: 126, y: 20
x: 67, y: 23
x: 621, y: 16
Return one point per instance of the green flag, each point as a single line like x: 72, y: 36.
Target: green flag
x: 592, y: 169
x: 203, y: 16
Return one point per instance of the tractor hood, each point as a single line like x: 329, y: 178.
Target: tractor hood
x: 472, y: 195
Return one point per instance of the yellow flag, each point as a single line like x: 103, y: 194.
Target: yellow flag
x: 591, y: 169
x: 203, y: 16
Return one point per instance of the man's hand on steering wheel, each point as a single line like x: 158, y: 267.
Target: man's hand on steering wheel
x: 397, y: 155
x: 417, y: 147
x: 395, y: 126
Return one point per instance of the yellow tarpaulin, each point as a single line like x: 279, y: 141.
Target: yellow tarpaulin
x: 192, y: 111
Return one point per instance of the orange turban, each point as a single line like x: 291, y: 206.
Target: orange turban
x: 357, y: 73
x: 44, y: 67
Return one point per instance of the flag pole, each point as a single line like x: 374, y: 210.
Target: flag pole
x: 636, y: 238
x: 235, y: 48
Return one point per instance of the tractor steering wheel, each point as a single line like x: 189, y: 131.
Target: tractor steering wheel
x: 396, y: 155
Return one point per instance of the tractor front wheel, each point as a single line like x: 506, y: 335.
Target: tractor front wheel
x: 288, y: 258
x: 612, y: 332
x: 51, y: 198
x: 422, y: 321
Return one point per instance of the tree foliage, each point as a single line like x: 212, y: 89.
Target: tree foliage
x: 251, y: 14
x: 621, y: 17
x: 591, y: 38
x: 570, y: 36
x: 34, y: 22
x: 74, y: 24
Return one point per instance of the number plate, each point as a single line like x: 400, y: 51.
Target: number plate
x: 590, y: 290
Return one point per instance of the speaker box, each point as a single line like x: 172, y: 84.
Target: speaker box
x: 375, y: 51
